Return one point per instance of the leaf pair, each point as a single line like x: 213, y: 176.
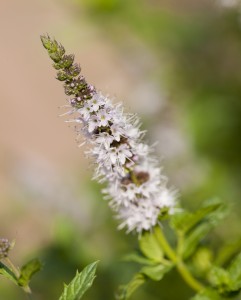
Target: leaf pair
x: 25, y: 273
x: 154, y: 265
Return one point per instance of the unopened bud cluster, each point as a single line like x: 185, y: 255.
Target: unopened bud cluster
x: 5, y: 247
x: 136, y: 189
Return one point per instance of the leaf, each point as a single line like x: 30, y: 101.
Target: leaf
x: 235, y: 272
x: 207, y: 295
x: 211, y: 220
x: 150, y: 246
x: 178, y: 220
x: 7, y: 273
x: 125, y: 291
x: 27, y: 271
x: 156, y: 272
x: 194, y: 238
x: 219, y: 278
x: 185, y: 221
x: 135, y: 257
x: 227, y: 282
x: 235, y: 268
x: 80, y: 284
x: 227, y: 252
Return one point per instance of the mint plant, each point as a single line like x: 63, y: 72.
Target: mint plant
x: 138, y: 193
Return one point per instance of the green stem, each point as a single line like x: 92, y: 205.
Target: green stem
x: 165, y: 246
x: 177, y: 260
x: 187, y: 276
x: 17, y: 274
x: 11, y: 265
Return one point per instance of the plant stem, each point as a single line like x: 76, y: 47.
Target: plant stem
x: 187, y: 276
x: 17, y: 274
x: 165, y: 245
x: 177, y: 260
x: 14, y: 269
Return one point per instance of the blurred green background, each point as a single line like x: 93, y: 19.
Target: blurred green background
x: 175, y: 63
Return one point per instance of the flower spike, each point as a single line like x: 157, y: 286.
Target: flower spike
x: 136, y: 189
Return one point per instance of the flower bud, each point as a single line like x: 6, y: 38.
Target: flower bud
x: 5, y: 247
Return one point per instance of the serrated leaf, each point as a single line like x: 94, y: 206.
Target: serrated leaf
x: 125, y: 291
x: 156, y: 272
x: 27, y: 271
x: 80, y: 284
x: 150, y: 246
x: 7, y: 273
x: 135, y: 257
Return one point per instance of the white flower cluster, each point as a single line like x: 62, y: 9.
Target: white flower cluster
x: 136, y: 189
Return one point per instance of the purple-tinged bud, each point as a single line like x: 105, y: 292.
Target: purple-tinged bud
x: 5, y: 247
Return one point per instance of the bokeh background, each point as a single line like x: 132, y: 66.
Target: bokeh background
x: 175, y: 63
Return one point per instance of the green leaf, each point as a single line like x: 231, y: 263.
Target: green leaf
x: 227, y: 282
x: 207, y: 295
x: 135, y: 257
x: 194, y: 236
x: 178, y: 220
x: 125, y: 291
x: 185, y: 221
x: 220, y: 279
x: 27, y: 271
x: 80, y: 284
x: 227, y: 252
x: 235, y: 272
x: 7, y: 273
x: 156, y: 272
x: 150, y: 246
x: 235, y: 268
